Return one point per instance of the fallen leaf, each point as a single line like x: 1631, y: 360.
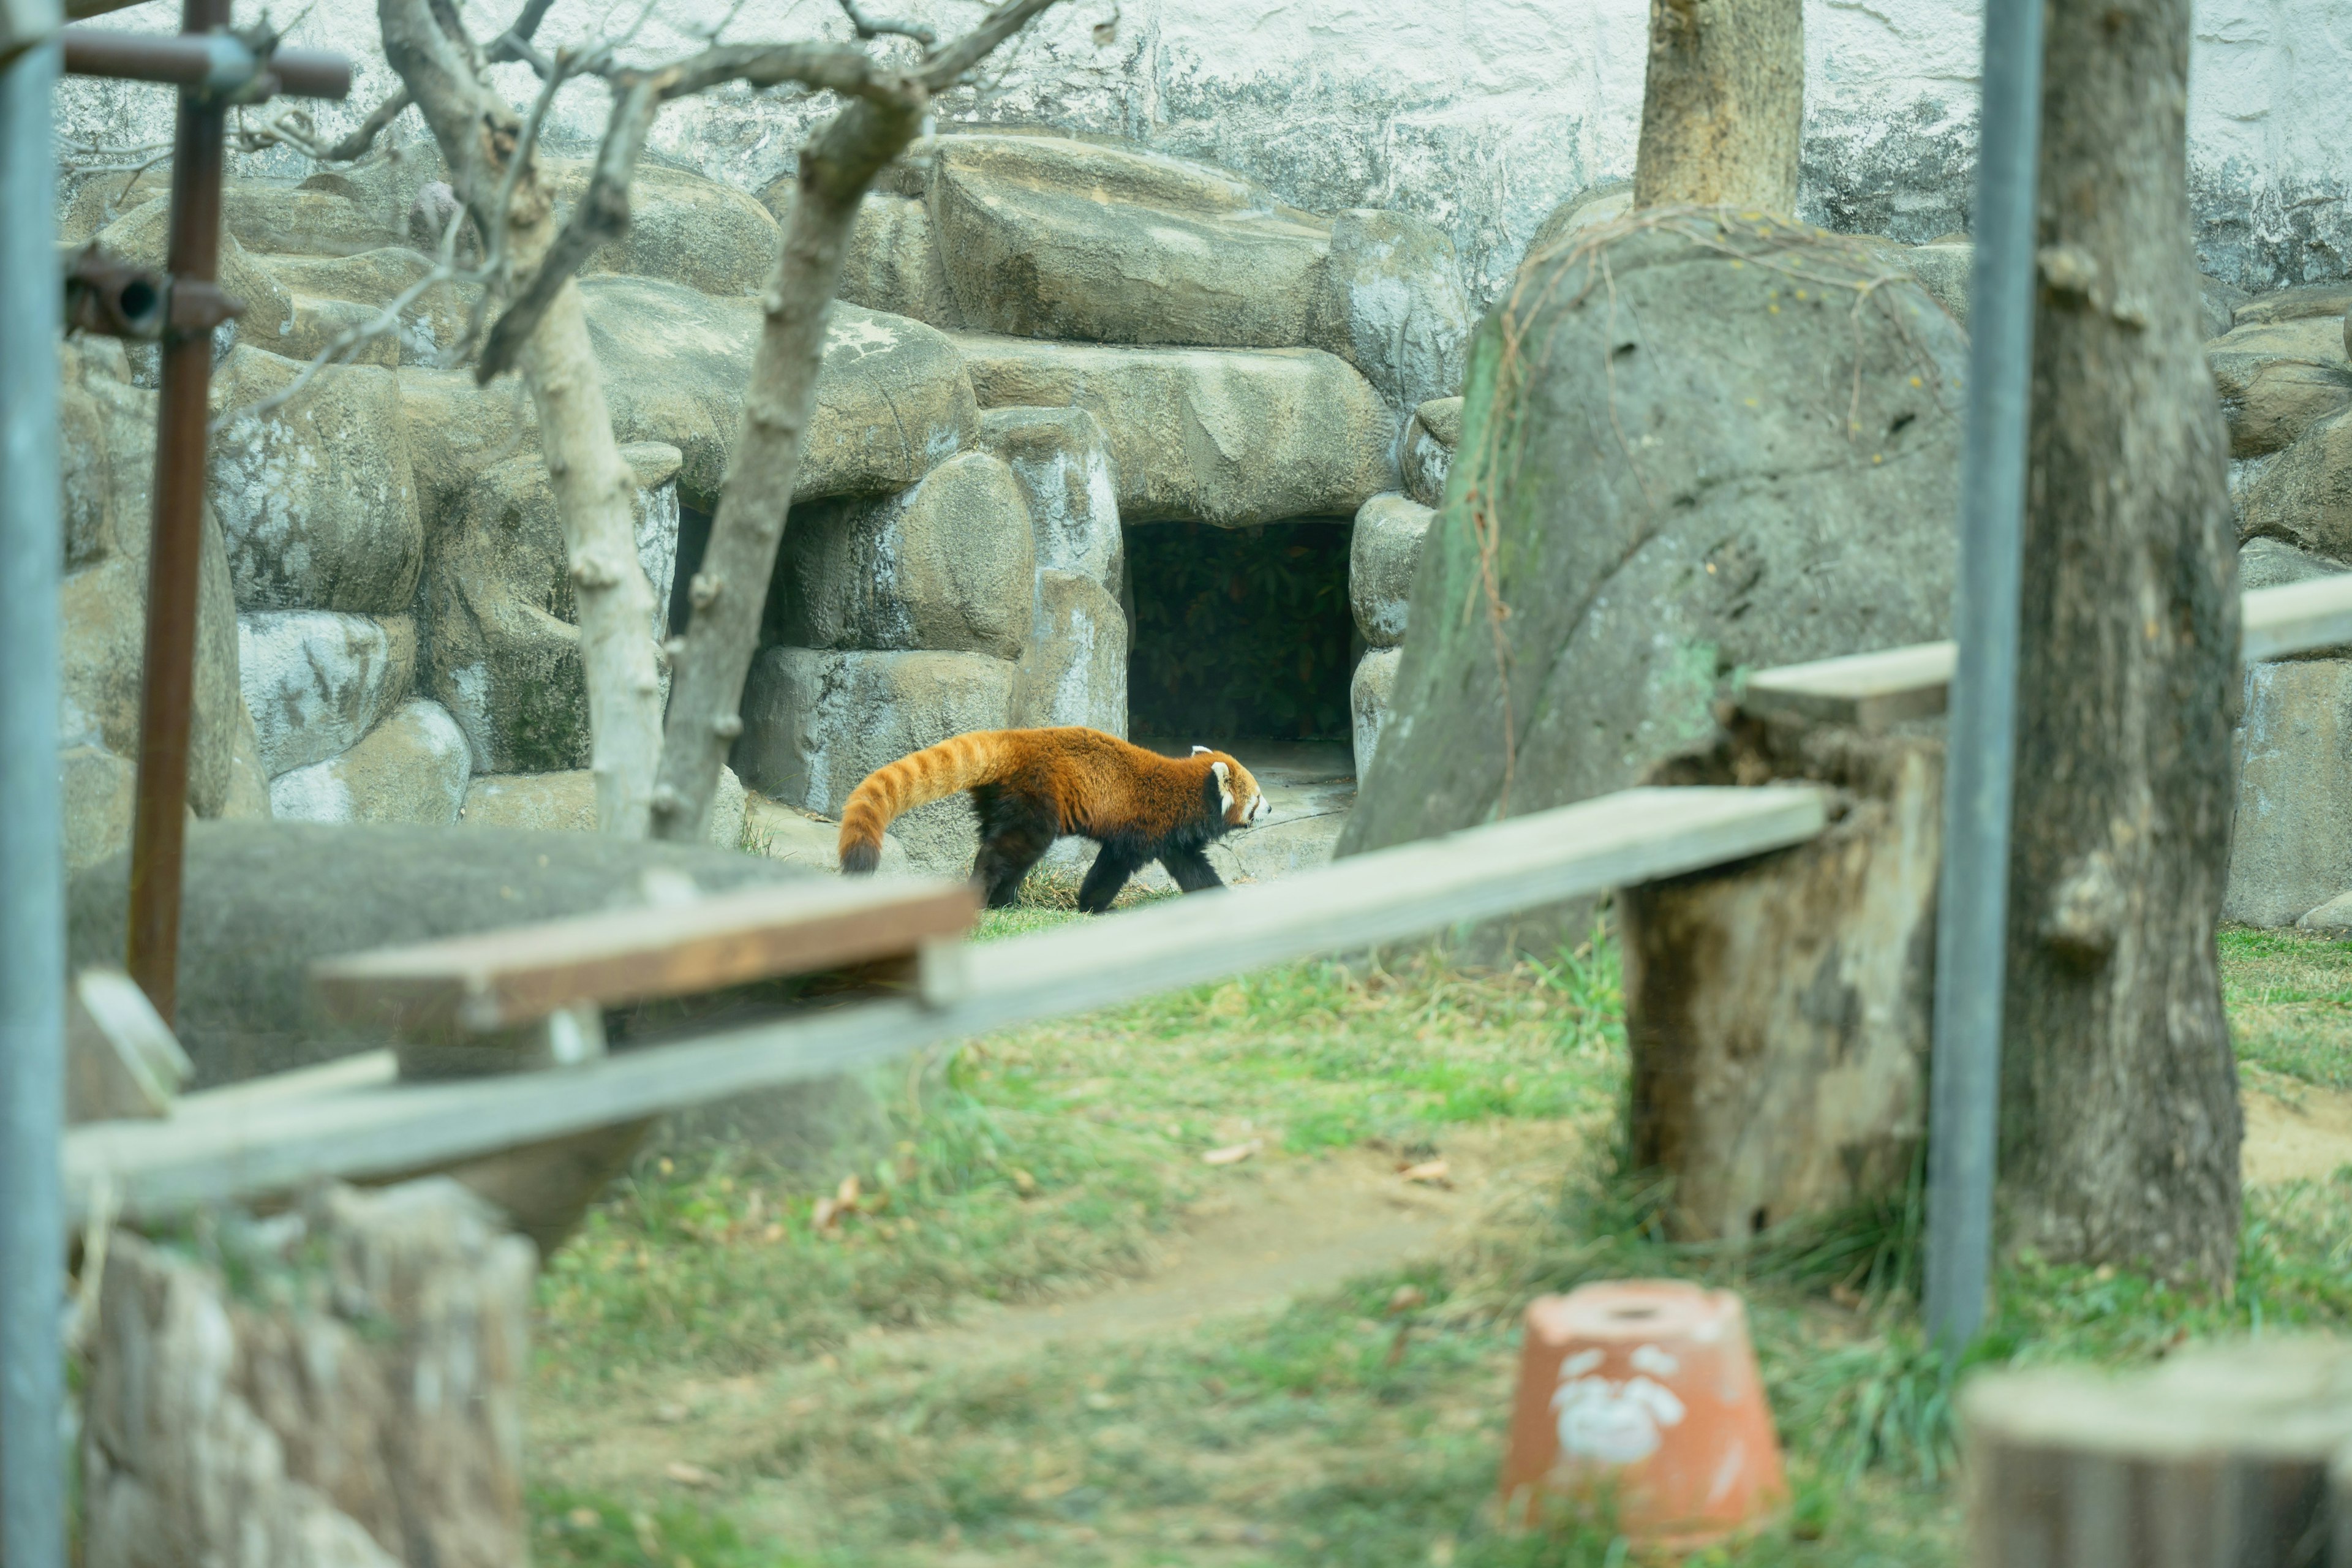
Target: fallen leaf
x: 1427, y: 1171
x: 1231, y: 1154
x: 845, y: 1196
x: 1405, y: 1298
x: 584, y: 1517
x: 1023, y: 1182
x: 688, y: 1475
x: 774, y: 1232
x: 824, y: 1214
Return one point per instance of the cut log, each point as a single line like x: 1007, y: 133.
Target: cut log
x: 2218, y: 1459
x: 122, y: 1061
x: 353, y: 1402
x: 1778, y: 1008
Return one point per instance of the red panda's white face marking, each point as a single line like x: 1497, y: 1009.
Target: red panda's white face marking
x: 1238, y: 797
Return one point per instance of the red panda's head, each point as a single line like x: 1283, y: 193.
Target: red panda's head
x: 1239, y: 799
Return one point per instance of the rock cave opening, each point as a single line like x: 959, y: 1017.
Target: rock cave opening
x: 1242, y: 635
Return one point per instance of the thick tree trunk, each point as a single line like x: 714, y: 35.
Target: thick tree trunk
x: 2119, y: 1118
x: 1724, y: 104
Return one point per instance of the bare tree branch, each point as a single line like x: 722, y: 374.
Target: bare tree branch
x: 948, y: 66
x: 880, y: 26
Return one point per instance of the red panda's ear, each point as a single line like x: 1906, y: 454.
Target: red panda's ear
x: 1199, y: 750
x: 1224, y: 786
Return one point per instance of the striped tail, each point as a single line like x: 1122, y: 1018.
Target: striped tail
x: 932, y: 774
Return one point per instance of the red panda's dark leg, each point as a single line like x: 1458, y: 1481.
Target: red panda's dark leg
x: 1014, y: 834
x: 1108, y: 874
x: 1191, y: 871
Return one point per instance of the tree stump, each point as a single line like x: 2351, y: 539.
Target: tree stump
x: 336, y: 1388
x: 1778, y: 1010
x: 2216, y: 1460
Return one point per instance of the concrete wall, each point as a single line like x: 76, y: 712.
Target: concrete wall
x: 1479, y: 114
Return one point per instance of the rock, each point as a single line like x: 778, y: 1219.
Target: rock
x: 248, y: 780
x: 2332, y: 919
x: 316, y: 681
x: 786, y: 833
x: 502, y: 642
x: 316, y: 497
x: 1046, y: 238
x: 413, y: 767
x: 2275, y: 563
x: 339, y: 291
x: 264, y: 899
x: 566, y: 803
x: 1383, y: 552
x: 86, y: 421
x: 950, y: 564
x: 1369, y: 694
x: 457, y: 429
x: 1738, y: 524
x: 1942, y: 270
x: 2331, y: 300
x: 1391, y: 303
x: 2305, y: 496
x: 2291, y: 848
x: 1601, y: 204
x: 893, y: 400
x: 683, y: 228
x: 138, y: 238
x: 815, y: 723
x: 2219, y: 303
x: 1073, y: 670
x: 1063, y: 462
x: 1215, y: 435
x: 893, y: 263
x: 2277, y: 379
x: 1426, y: 454
x: 100, y: 791
x: 309, y: 219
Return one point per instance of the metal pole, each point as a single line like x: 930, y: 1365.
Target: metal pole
x: 32, y: 830
x: 167, y: 695
x: 1972, y: 914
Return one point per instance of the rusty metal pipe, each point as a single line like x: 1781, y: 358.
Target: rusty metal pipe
x: 167, y: 695
x: 215, y: 63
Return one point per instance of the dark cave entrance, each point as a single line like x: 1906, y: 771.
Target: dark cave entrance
x: 1241, y: 634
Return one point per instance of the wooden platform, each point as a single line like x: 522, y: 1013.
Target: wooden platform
x: 351, y: 1119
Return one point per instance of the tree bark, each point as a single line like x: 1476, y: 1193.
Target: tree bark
x: 1722, y: 105
x: 479, y: 135
x: 2119, y: 1120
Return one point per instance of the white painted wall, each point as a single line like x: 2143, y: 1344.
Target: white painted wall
x: 1482, y: 114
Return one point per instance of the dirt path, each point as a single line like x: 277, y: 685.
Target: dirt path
x: 2303, y: 1135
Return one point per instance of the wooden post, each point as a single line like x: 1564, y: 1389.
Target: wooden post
x: 2218, y: 1459
x: 1778, y: 1007
x: 348, y: 1391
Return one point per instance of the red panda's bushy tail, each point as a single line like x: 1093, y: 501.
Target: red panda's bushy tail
x: 889, y: 793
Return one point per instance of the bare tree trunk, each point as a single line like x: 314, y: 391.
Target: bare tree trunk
x: 731, y: 590
x: 480, y: 137
x: 1722, y: 105
x: 2119, y: 1121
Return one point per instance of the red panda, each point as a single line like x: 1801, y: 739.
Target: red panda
x: 1032, y: 786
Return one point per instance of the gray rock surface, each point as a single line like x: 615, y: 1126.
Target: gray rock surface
x: 316, y: 217
x: 1426, y: 454
x: 894, y: 261
x: 316, y: 499
x: 2278, y: 379
x: 342, y: 290
x: 815, y: 723
x: 786, y: 833
x: 315, y: 681
x: 2219, y: 302
x: 137, y: 236
x: 1605, y: 201
x: 1073, y: 670
x: 1391, y: 303
x: 2303, y: 495
x: 893, y: 400
x: 1223, y: 436
x: 413, y: 767
x: 1383, y: 552
x: 950, y: 564
x: 1370, y: 691
x: 683, y: 228
x: 1942, y: 270
x: 2275, y: 563
x: 2290, y: 845
x: 1063, y: 462
x: 98, y: 790
x: 566, y: 803
x: 2332, y: 919
x: 2296, y: 304
x: 457, y: 429
x: 1736, y: 525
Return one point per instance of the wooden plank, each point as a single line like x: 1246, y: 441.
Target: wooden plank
x: 495, y: 979
x: 227, y: 1146
x: 1874, y: 689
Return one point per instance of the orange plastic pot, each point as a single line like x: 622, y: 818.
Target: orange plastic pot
x: 1643, y: 1396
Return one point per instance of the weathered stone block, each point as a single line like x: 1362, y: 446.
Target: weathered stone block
x: 2278, y: 379
x: 683, y: 228
x: 1073, y: 670
x: 1426, y: 454
x: 1065, y: 466
x: 1383, y: 552
x: 1369, y: 694
x: 566, y: 803
x: 2291, y: 844
x: 1390, y: 301
x: 343, y: 290
x: 315, y: 681
x: 413, y: 767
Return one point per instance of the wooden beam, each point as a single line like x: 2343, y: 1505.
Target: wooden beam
x: 1873, y: 691
x: 493, y: 980
x: 259, y: 1139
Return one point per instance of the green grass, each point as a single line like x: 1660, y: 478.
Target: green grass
x: 1358, y: 1426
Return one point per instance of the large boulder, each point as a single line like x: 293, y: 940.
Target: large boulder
x: 413, y: 767
x: 1707, y: 467
x: 1426, y: 453
x: 139, y: 236
x: 1370, y: 691
x: 684, y: 227
x: 1073, y: 670
x: 797, y: 837
x: 315, y: 217
x: 330, y: 293
x: 1063, y: 462
x: 2291, y: 843
x: 894, y: 262
x: 892, y: 400
x: 950, y: 564
x: 455, y: 429
x: 315, y: 681
x: 815, y: 723
x: 1383, y: 553
x: 2303, y: 495
x: 2301, y: 303
x: 1223, y: 436
x: 501, y: 637
x: 316, y: 497
x: 2278, y: 379
x: 1391, y: 303
x: 566, y: 803
x: 1943, y: 269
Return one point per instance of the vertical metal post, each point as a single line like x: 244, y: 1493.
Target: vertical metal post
x: 1971, y: 921
x: 167, y: 695
x: 32, y: 829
